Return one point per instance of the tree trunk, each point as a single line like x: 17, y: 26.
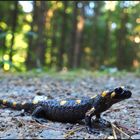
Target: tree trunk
x: 2, y: 42
x: 96, y: 39
x: 3, y: 47
x: 41, y: 46
x: 37, y: 46
x: 63, y: 37
x: 14, y: 24
x: 79, y: 37
x: 54, y: 41
x: 30, y: 60
x: 124, y: 47
x: 73, y: 35
x: 106, y: 42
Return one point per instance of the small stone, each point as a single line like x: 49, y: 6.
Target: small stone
x: 138, y: 123
x: 68, y: 93
x: 137, y: 136
x: 130, y: 86
x: 10, y: 135
x: 39, y: 98
x: 27, y: 118
x: 111, y: 137
x: 39, y: 93
x: 51, y: 134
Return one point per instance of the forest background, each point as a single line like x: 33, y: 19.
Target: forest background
x: 67, y: 35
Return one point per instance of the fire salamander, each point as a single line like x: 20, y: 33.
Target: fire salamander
x: 72, y: 110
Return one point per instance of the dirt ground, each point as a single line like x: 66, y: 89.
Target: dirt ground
x: 20, y: 88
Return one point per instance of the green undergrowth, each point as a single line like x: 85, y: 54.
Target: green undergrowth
x: 137, y: 72
x: 64, y: 74
x: 74, y: 74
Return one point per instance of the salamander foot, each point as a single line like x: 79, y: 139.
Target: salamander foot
x: 102, y: 122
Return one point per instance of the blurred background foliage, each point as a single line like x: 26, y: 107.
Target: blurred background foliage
x: 67, y: 35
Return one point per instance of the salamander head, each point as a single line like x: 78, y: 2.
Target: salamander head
x: 116, y: 95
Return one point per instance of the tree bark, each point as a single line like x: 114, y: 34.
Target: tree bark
x: 73, y: 35
x: 54, y: 41
x: 30, y: 60
x: 63, y: 37
x: 14, y: 24
x: 96, y: 41
x: 41, y: 46
x: 106, y: 42
x: 124, y: 48
x: 37, y: 46
x: 79, y: 37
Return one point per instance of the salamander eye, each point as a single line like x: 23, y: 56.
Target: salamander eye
x: 118, y: 90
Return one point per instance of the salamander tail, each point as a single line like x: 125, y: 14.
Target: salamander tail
x: 17, y: 106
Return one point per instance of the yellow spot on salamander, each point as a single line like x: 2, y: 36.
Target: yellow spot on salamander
x: 35, y: 102
x: 14, y: 104
x: 63, y: 102
x: 78, y: 101
x: 93, y: 96
x: 104, y: 93
x: 113, y: 94
x: 4, y: 101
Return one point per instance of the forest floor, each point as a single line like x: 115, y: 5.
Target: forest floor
x: 20, y: 87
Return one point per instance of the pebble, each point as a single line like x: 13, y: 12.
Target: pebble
x: 137, y: 136
x: 39, y: 98
x: 12, y: 134
x: 51, y: 134
x: 138, y: 123
x: 27, y: 118
x: 111, y: 137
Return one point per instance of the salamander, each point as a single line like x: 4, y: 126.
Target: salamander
x: 72, y: 110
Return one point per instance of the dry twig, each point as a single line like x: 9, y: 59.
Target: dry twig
x: 121, y: 131
x: 128, y: 129
x: 114, y: 133
x: 73, y: 131
x: 34, y: 123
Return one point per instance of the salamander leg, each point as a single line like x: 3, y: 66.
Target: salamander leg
x: 102, y: 121
x: 88, y: 117
x: 38, y: 115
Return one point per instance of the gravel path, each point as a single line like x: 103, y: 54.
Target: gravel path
x: 19, y: 88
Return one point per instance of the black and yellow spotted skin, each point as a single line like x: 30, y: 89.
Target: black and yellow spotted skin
x: 66, y: 111
x: 73, y: 110
x: 27, y: 106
